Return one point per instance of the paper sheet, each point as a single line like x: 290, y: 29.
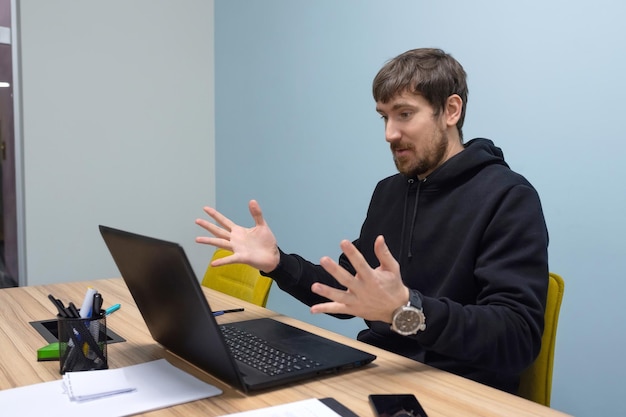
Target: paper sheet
x: 90, y: 385
x: 159, y: 384
x: 305, y: 408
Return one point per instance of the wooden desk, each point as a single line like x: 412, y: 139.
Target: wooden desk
x: 441, y: 393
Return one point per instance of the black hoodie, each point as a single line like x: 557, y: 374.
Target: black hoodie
x: 472, y: 241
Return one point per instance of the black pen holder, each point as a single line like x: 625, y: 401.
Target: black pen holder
x: 82, y: 343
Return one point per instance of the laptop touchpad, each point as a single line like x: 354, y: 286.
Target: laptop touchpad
x: 307, y: 344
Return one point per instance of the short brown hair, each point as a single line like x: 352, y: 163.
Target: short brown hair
x: 430, y: 72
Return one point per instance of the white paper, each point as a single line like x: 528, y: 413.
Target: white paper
x: 159, y: 384
x: 305, y: 408
x: 89, y: 385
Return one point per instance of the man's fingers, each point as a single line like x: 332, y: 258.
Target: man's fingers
x: 363, y: 269
x: 333, y: 268
x: 213, y: 241
x: 256, y: 213
x: 222, y: 220
x: 213, y: 229
x: 230, y: 259
x: 387, y: 261
x: 328, y: 308
x: 338, y: 299
x: 328, y: 292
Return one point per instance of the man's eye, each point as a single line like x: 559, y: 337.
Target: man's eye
x: 383, y: 117
x: 405, y: 115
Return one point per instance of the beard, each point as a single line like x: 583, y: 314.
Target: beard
x: 426, y: 161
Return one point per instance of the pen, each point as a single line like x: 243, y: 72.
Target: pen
x: 59, y: 306
x: 232, y: 310
x: 97, y: 305
x: 74, y: 310
x: 112, y: 309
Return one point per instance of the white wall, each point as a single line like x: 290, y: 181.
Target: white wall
x: 118, y: 128
x: 297, y: 130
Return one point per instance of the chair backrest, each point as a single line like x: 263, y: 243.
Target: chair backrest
x: 239, y: 280
x: 536, y: 381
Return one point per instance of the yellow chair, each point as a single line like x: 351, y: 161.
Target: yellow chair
x: 536, y: 381
x: 239, y: 280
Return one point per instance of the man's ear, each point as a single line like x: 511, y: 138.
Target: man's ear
x: 454, y: 107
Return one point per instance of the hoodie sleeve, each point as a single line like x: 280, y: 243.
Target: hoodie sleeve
x: 295, y: 275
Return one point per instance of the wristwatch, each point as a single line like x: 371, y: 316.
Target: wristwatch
x: 409, y: 319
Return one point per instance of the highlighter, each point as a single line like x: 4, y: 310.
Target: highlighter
x: 48, y: 353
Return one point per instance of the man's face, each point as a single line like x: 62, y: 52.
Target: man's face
x: 418, y: 140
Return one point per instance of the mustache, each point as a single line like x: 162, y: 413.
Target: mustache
x: 401, y: 146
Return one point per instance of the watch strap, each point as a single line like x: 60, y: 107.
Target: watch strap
x: 415, y: 299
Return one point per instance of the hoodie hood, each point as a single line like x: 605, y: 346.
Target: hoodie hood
x: 477, y: 154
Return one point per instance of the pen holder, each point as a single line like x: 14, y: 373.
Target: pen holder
x: 82, y: 343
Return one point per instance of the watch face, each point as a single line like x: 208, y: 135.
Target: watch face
x: 409, y: 321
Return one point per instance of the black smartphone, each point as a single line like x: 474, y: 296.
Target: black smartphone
x: 396, y: 405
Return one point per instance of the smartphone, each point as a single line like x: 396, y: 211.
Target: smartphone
x: 396, y: 405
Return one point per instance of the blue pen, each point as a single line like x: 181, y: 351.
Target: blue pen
x: 232, y: 310
x: 112, y: 309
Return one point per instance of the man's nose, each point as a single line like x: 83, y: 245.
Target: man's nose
x: 392, y: 133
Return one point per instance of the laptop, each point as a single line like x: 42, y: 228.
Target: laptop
x: 178, y: 316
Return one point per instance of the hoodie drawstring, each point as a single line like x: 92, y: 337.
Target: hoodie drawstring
x: 409, y: 243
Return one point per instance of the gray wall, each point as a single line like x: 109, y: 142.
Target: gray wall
x: 118, y: 129
x: 296, y: 129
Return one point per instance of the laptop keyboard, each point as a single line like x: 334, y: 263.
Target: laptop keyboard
x: 256, y: 352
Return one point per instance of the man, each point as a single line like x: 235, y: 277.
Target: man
x: 450, y: 267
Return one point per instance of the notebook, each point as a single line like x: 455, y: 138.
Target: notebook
x: 178, y: 316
